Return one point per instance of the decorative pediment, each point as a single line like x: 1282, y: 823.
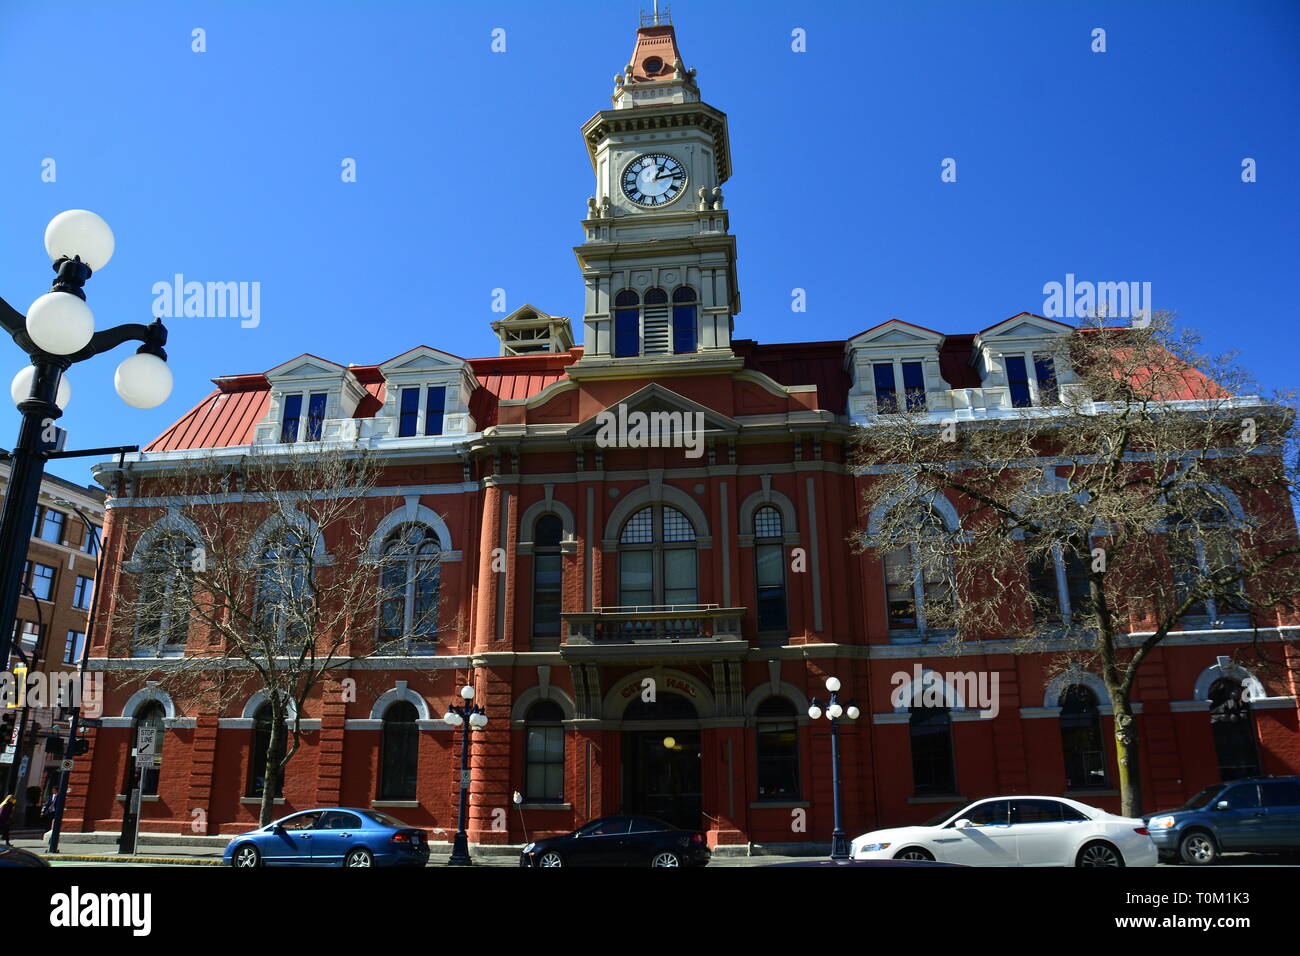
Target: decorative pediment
x: 895, y: 332
x: 1026, y: 324
x: 655, y: 398
x: 305, y: 366
x: 422, y: 359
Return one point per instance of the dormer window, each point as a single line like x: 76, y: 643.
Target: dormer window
x: 434, y: 405
x: 1022, y: 390
x: 291, y: 422
x: 893, y: 377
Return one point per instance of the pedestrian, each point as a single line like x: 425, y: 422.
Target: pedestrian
x: 7, y: 816
x: 50, y: 808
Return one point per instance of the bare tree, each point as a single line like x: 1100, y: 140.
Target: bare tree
x: 260, y: 574
x: 1151, y: 491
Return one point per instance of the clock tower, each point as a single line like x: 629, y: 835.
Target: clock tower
x: 658, y: 261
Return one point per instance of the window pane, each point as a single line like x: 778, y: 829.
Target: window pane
x: 1045, y: 370
x: 639, y: 528
x: 931, y: 735
x: 292, y: 415
x: 684, y: 335
x: 410, y: 413
x: 769, y: 565
x: 679, y: 576
x: 437, y: 403
x: 1018, y: 381
x: 767, y: 523
x: 900, y: 589
x: 52, y: 526
x: 627, y: 324
x: 886, y: 393
x: 547, y: 580
x: 636, y: 580
x: 914, y: 386
x: 677, y: 527
x: 778, y: 760
x: 316, y: 416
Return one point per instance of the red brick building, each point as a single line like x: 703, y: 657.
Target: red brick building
x: 715, y: 565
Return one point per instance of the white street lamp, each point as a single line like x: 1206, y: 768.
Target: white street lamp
x: 60, y: 323
x: 21, y: 387
x: 143, y: 380
x: 79, y: 233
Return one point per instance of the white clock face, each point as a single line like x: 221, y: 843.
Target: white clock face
x: 653, y: 179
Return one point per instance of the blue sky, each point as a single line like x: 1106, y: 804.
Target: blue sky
x: 472, y: 176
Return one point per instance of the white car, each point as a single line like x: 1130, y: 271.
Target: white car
x: 1016, y: 831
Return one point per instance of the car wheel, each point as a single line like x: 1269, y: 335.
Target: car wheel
x: 359, y: 857
x: 551, y: 858
x: 914, y: 853
x: 246, y: 857
x: 1099, y: 854
x: 666, y: 858
x: 1198, y: 848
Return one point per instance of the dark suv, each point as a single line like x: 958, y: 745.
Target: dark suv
x: 1255, y: 814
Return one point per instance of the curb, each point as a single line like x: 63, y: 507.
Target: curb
x: 123, y: 858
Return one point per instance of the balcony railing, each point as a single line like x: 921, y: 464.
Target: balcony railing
x: 654, y: 623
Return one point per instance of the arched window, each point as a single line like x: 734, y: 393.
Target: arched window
x: 627, y: 323
x: 544, y: 753
x: 1059, y: 585
x: 685, y: 305
x: 656, y: 559
x: 284, y: 596
x: 152, y: 715
x: 769, y: 569
x: 1081, y: 740
x: 548, y: 578
x: 919, y: 583
x: 257, y: 755
x: 400, y: 753
x: 932, y: 767
x: 410, y: 585
x: 776, y: 731
x: 1234, y: 730
x: 1201, y: 546
x: 166, y: 596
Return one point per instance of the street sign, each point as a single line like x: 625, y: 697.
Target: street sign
x: 464, y: 779
x: 65, y: 766
x: 7, y: 756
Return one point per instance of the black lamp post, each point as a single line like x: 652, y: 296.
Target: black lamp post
x: 839, y: 845
x: 467, y: 716
x: 57, y: 332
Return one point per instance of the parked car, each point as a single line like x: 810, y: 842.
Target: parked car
x: 334, y: 836
x: 620, y: 841
x: 1255, y: 814
x: 1016, y: 831
x: 16, y: 856
x: 906, y: 864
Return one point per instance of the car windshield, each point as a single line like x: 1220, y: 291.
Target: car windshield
x: 1202, y: 798
x: 384, y: 819
x: 946, y: 814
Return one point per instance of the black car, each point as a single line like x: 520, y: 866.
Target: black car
x: 1251, y: 815
x: 620, y: 841
x: 14, y: 856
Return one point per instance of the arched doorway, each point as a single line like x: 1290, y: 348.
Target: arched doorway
x: 1234, y: 730
x: 661, y: 759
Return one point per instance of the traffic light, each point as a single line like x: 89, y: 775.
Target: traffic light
x: 80, y: 746
x: 54, y: 746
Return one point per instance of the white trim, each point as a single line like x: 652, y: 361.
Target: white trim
x: 412, y: 512
x: 144, y: 695
x: 1075, y: 675
x: 534, y: 694
x: 614, y: 704
x: 1207, y: 677
x: 395, y: 694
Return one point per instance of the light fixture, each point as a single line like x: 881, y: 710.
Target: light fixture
x: 451, y: 719
x: 467, y: 692
x: 814, y: 711
x: 21, y: 387
x: 60, y: 323
x: 80, y: 234
x: 853, y: 712
x: 670, y: 743
x: 832, y: 684
x: 143, y: 380
x: 834, y: 711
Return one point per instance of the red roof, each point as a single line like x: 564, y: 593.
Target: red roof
x: 802, y: 363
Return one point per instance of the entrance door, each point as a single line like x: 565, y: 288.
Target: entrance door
x: 661, y: 775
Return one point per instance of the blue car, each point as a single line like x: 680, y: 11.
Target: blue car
x: 334, y: 836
